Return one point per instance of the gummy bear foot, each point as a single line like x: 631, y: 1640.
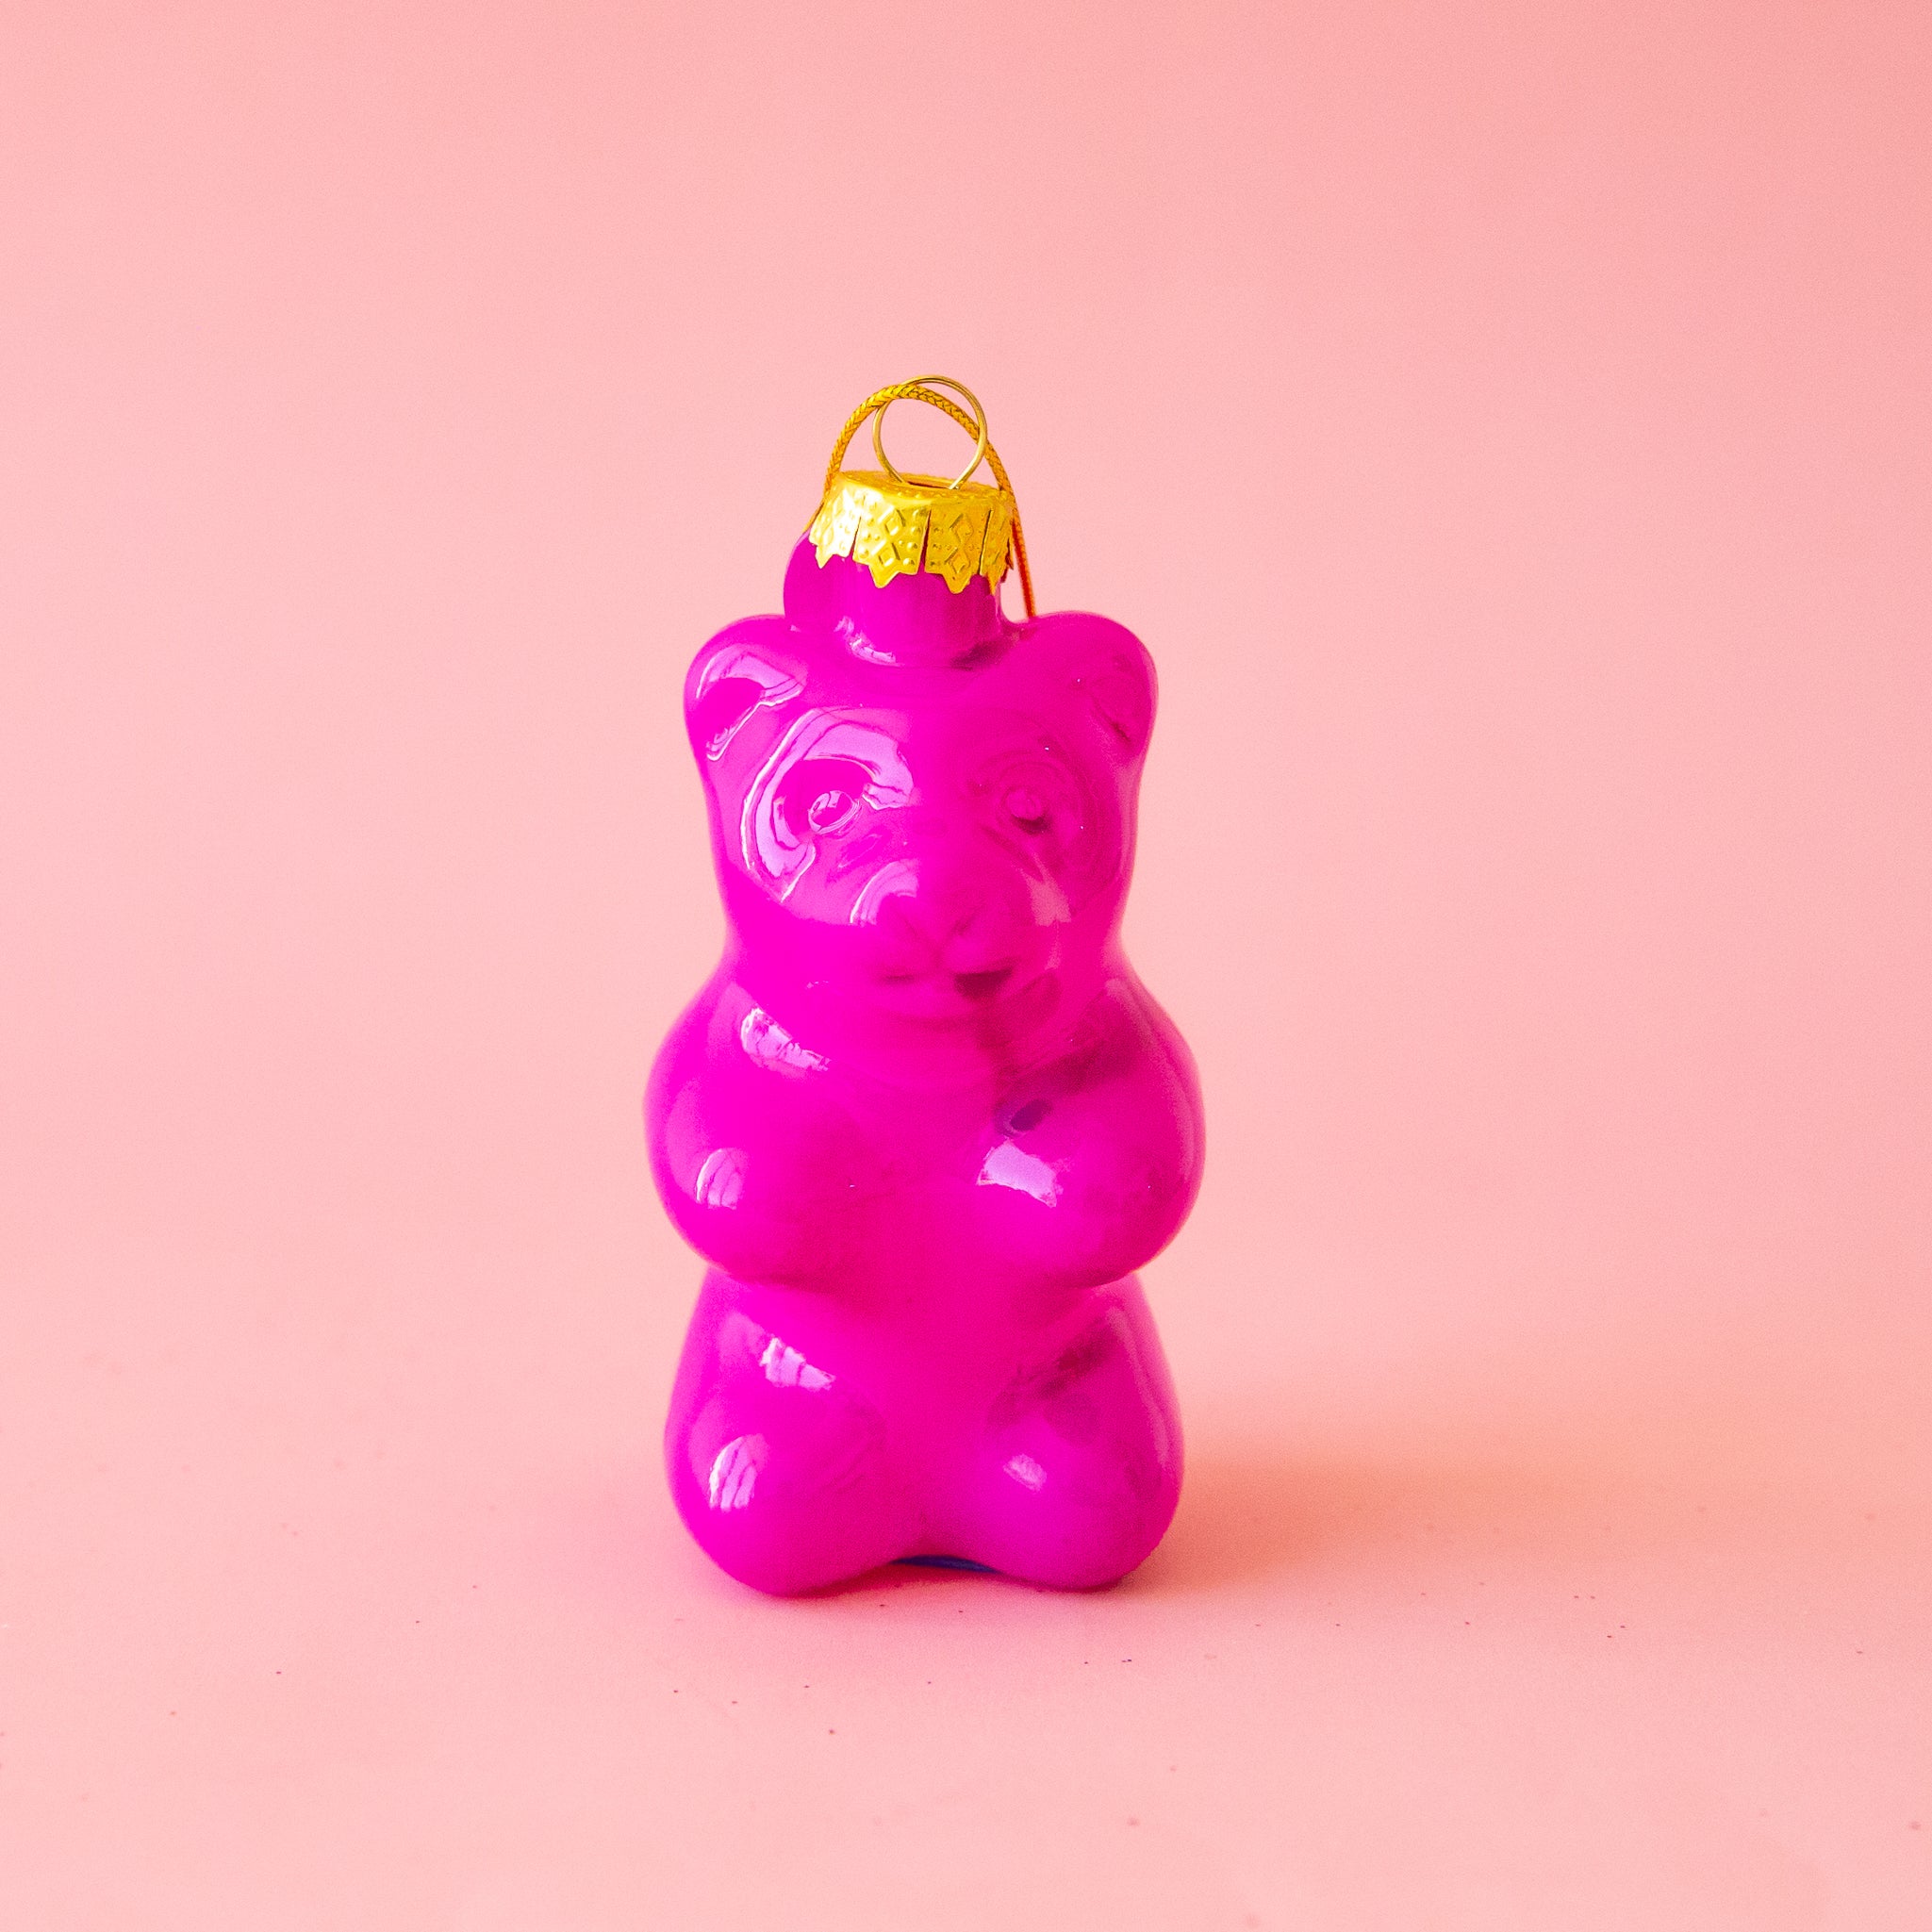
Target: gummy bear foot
x: 1079, y: 1470
x: 778, y: 1468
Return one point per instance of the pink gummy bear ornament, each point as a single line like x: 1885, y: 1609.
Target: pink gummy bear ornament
x: 923, y: 1122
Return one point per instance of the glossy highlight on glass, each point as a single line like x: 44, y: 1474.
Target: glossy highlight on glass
x: 924, y: 1122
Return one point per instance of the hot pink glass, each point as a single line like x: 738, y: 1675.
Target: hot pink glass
x: 924, y: 1122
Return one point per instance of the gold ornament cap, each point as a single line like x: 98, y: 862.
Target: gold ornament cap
x: 899, y: 525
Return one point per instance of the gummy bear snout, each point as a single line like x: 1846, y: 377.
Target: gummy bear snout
x: 975, y: 933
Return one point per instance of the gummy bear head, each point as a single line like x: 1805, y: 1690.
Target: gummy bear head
x: 919, y: 808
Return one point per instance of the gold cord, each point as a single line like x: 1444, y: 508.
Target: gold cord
x: 916, y: 391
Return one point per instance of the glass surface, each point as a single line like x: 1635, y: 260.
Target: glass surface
x: 923, y: 1121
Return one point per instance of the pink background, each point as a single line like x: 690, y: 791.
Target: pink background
x: 1508, y: 426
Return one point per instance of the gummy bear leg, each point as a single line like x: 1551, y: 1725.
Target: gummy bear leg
x: 779, y: 1468
x: 1077, y: 1471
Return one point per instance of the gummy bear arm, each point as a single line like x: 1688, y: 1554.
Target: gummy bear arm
x: 1099, y: 1163
x: 1139, y: 1187
x: 739, y: 1215
x: 749, y: 1163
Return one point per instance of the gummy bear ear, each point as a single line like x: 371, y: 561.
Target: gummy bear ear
x: 1109, y: 668
x: 736, y: 675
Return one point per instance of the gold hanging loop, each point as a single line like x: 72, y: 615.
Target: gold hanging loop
x: 974, y: 425
x: 887, y: 463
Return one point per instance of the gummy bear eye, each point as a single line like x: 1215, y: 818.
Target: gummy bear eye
x: 832, y: 811
x: 1027, y: 809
